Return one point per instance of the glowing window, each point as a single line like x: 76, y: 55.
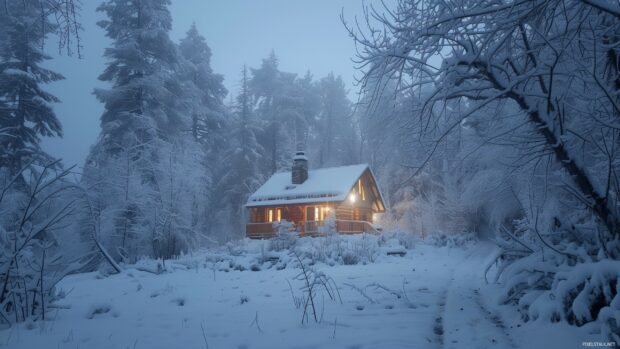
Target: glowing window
x: 360, y: 189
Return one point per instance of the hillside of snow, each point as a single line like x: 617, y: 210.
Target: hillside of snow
x: 388, y: 293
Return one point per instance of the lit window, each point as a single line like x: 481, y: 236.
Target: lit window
x: 316, y: 214
x: 360, y: 189
x: 270, y: 215
x: 279, y: 214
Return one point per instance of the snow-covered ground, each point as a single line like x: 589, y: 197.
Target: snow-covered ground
x: 432, y: 297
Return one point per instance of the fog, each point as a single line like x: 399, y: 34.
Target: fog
x: 267, y: 174
x: 305, y: 35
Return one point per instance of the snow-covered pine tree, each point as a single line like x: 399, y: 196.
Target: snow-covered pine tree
x: 142, y: 128
x: 286, y: 107
x: 336, y: 139
x: 204, y: 88
x: 309, y: 108
x: 26, y: 112
x: 203, y: 95
x: 266, y: 87
x: 140, y: 105
x: 243, y: 157
x: 297, y: 111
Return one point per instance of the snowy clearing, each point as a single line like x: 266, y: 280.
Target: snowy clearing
x: 432, y: 297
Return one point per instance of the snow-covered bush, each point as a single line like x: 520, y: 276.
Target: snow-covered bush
x: 339, y: 249
x: 286, y: 236
x: 329, y: 225
x: 332, y: 250
x: 579, y: 294
x: 441, y: 239
x: 560, y: 275
x: 403, y: 238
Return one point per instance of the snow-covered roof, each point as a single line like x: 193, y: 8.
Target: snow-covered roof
x: 322, y: 185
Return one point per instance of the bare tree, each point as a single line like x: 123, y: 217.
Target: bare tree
x: 550, y: 60
x: 30, y: 262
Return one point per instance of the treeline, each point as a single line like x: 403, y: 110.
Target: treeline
x: 173, y: 164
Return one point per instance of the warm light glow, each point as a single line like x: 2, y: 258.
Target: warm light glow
x: 361, y: 190
x: 270, y: 218
x: 352, y: 198
x: 320, y: 212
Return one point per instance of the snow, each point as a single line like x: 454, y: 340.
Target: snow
x: 19, y: 73
x: 300, y: 156
x: 322, y: 185
x: 239, y: 297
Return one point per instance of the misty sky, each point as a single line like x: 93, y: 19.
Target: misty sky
x: 306, y: 35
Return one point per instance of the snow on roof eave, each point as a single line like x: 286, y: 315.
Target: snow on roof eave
x: 284, y: 202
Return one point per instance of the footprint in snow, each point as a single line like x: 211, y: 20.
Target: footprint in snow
x: 179, y: 301
x: 100, y: 309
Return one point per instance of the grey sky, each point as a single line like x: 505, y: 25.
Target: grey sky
x: 306, y: 35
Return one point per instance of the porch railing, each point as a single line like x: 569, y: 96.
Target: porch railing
x: 311, y: 228
x: 342, y: 227
x: 259, y: 230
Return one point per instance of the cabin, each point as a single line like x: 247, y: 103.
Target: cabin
x: 348, y: 195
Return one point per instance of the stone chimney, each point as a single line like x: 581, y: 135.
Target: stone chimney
x: 300, y: 167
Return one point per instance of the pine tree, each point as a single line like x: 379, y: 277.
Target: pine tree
x: 141, y: 153
x: 204, y: 89
x: 310, y: 105
x: 243, y: 157
x: 266, y: 86
x: 334, y: 131
x: 140, y: 106
x: 26, y: 112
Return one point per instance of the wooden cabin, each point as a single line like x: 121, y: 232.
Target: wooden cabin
x: 348, y: 194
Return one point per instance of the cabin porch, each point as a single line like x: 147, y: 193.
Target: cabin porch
x: 308, y: 220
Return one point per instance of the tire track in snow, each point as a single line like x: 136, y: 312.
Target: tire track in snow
x: 438, y: 328
x: 494, y: 319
